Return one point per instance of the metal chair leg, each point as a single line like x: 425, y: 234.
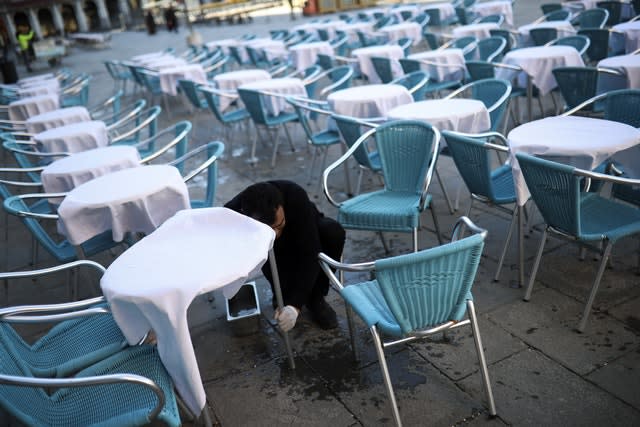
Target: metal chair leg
x: 507, y: 241
x: 385, y: 375
x: 536, y: 264
x: 484, y: 371
x: 594, y: 288
x: 435, y: 222
x: 444, y: 192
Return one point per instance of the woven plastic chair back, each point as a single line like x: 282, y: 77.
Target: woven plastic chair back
x: 491, y: 48
x: 599, y: 43
x: 580, y: 43
x: 254, y: 104
x: 434, y: 17
x: 325, y: 61
x: 557, y: 15
x: 432, y: 286
x: 382, y: 67
x: 479, y: 70
x: 576, y: 84
x: 189, y: 88
x: 505, y: 34
x: 473, y: 162
x: 615, y: 11
x: 555, y: 190
x: 337, y: 73
x: 542, y: 36
x: 406, y: 151
x: 550, y: 7
x: 593, y: 18
x: 489, y: 91
x: 623, y: 106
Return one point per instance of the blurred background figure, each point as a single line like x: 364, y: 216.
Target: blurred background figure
x: 170, y: 19
x: 25, y: 38
x: 150, y: 22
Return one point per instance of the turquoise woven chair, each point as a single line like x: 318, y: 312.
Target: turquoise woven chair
x: 473, y: 156
x: 579, y: 42
x: 542, y: 36
x: 84, y: 333
x: 572, y: 212
x: 212, y: 151
x: 494, y: 93
x: 130, y: 388
x: 432, y: 87
x: 122, y: 114
x: 417, y: 295
x: 229, y: 119
x: 592, y: 18
x: 382, y: 67
x: 580, y: 84
x: 133, y: 128
x: 491, y: 48
x: 262, y: 118
x: 416, y: 83
x: 189, y: 89
x: 615, y: 11
x: 320, y: 141
x: 408, y: 152
x: 76, y: 93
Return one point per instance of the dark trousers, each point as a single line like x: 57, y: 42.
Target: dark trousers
x: 26, y: 57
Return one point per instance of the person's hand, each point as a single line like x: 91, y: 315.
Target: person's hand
x: 286, y: 317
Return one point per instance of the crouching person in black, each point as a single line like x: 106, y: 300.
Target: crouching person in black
x: 301, y: 233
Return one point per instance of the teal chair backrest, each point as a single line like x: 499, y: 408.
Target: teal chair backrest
x: 491, y: 91
x: 253, y: 102
x: 473, y: 162
x: 405, y: 148
x: 351, y: 130
x: 555, y: 189
x: 382, y: 66
x: 431, y: 286
x: 623, y: 106
x: 189, y: 88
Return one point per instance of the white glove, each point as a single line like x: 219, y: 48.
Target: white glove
x: 286, y: 317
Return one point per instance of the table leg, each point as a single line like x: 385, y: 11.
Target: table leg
x: 529, y: 98
x: 279, y: 300
x: 520, y: 246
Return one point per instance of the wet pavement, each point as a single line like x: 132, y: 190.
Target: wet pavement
x: 543, y: 372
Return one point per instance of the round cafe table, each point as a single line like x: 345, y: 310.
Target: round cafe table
x: 368, y: 100
x: 230, y: 81
x: 461, y: 115
x: 69, y: 172
x: 24, y: 108
x: 73, y: 138
x: 57, y: 118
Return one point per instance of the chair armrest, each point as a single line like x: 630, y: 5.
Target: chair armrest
x: 48, y: 313
x: 342, y: 159
x: 167, y: 146
x: 205, y: 164
x: 89, y: 381
x: 462, y: 224
x: 584, y: 104
x: 328, y: 265
x: 28, y: 214
x: 334, y: 85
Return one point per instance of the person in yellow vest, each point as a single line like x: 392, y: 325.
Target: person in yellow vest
x: 25, y: 35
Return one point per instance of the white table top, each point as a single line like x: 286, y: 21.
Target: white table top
x: 352, y: 29
x: 461, y: 115
x: 452, y: 64
x: 538, y: 63
x: 368, y: 100
x: 39, y: 87
x: 136, y: 200
x: 31, y: 79
x: 497, y: 7
x: 282, y: 86
x: 306, y: 54
x: 230, y: 81
x: 56, y: 118
x: 580, y: 141
x: 24, y: 108
x: 411, y: 30
x: 364, y: 55
x: 631, y: 31
x: 272, y: 48
x: 148, y: 289
x: 73, y: 138
x: 169, y: 77
x: 69, y: 172
x: 629, y: 64
x: 564, y: 29
x: 479, y: 31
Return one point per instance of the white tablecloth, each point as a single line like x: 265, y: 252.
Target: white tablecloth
x: 57, y: 118
x: 146, y: 56
x: 282, y: 86
x: 462, y: 115
x: 226, y: 43
x: 69, y: 172
x: 152, y: 284
x: 398, y: 9
x: 364, y: 55
x: 136, y: 200
x: 411, y: 30
x: 231, y: 80
x: 580, y: 141
x: 313, y: 27
x: 629, y: 64
x: 38, y: 87
x: 169, y: 77
x: 24, y: 108
x: 369, y: 100
x: 161, y: 62
x: 73, y: 138
x: 452, y: 64
x: 32, y: 79
x: 538, y: 63
x: 306, y: 54
x: 564, y: 29
x: 631, y: 31
x: 352, y: 29
x: 479, y: 31
x: 273, y: 49
x: 498, y: 7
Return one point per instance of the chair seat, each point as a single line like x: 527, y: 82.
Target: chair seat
x: 367, y: 301
x: 327, y: 137
x: 281, y: 118
x: 503, y: 187
x: 597, y: 218
x: 235, y: 115
x: 382, y: 210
